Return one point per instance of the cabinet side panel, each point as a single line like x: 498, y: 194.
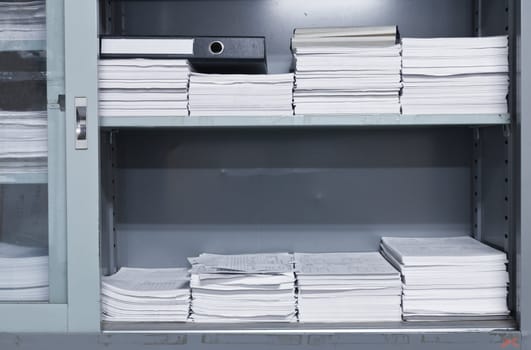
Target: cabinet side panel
x: 523, y: 223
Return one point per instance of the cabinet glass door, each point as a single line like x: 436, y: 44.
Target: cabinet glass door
x: 32, y: 169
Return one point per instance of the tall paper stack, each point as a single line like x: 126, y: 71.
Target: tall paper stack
x: 23, y: 142
x: 146, y: 295
x: 143, y: 87
x: 347, y: 287
x: 455, y: 75
x: 23, y: 20
x: 455, y: 278
x: 23, y: 273
x: 346, y: 70
x: 213, y: 95
x: 243, y: 288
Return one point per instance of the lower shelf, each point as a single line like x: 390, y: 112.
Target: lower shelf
x: 311, y: 328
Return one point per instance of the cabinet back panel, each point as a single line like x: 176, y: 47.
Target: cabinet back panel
x: 276, y: 20
x: 256, y: 190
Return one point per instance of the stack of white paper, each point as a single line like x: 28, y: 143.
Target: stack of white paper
x: 23, y: 20
x: 449, y: 278
x: 23, y: 142
x: 23, y: 273
x: 146, y: 295
x: 455, y: 75
x: 346, y: 70
x: 213, y: 95
x: 243, y: 288
x: 347, y: 287
x: 143, y: 87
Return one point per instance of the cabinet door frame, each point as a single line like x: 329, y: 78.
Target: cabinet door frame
x: 83, y: 179
x: 52, y: 316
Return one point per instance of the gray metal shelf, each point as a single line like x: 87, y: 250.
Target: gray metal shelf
x: 29, y: 178
x: 22, y: 45
x: 312, y: 328
x: 364, y: 120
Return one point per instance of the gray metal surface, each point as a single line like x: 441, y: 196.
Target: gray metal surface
x: 181, y: 192
x: 108, y: 191
x: 32, y: 318
x: 378, y: 341
x: 55, y: 65
x: 361, y: 120
x: 310, y: 328
x: 494, y: 17
x: 495, y: 188
x: 82, y: 182
x: 476, y: 184
x: 276, y: 19
x: 523, y: 172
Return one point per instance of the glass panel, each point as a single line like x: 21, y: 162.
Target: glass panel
x: 24, y: 202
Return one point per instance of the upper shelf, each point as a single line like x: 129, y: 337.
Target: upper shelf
x: 22, y: 45
x: 324, y: 120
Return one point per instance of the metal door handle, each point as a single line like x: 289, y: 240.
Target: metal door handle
x: 81, y: 123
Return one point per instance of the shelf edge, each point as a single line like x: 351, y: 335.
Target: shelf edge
x: 301, y: 121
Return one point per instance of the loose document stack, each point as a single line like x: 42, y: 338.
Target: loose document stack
x: 455, y: 278
x: 146, y: 295
x: 347, y: 287
x: 23, y: 142
x: 213, y: 95
x: 243, y: 288
x: 455, y: 75
x: 346, y: 70
x: 23, y: 273
x: 143, y: 87
x: 23, y: 20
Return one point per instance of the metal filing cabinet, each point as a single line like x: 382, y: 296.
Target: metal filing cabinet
x: 148, y: 192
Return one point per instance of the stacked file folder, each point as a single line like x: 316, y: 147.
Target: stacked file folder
x: 456, y: 278
x: 346, y: 70
x: 23, y: 20
x: 455, y: 75
x: 214, y: 95
x: 23, y: 142
x: 23, y: 273
x: 143, y: 87
x: 243, y: 288
x: 347, y: 287
x: 146, y: 295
